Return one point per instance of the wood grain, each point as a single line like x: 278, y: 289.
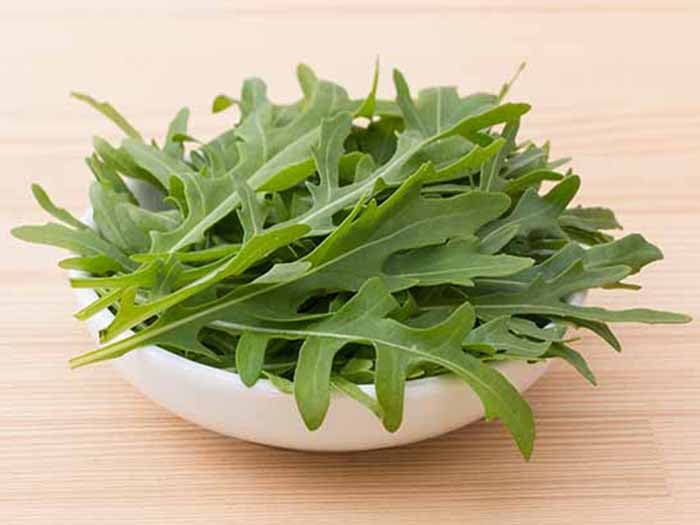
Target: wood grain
x: 614, y: 84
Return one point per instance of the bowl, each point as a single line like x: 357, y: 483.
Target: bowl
x: 219, y: 401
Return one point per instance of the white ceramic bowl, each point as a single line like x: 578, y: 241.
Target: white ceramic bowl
x: 219, y: 401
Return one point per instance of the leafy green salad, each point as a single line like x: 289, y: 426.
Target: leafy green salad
x: 333, y: 242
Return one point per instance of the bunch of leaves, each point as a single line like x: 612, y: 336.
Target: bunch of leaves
x: 334, y: 242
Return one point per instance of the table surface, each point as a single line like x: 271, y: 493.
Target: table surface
x: 614, y: 84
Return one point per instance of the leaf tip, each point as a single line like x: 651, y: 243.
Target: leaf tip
x: 78, y: 95
x: 248, y: 380
x: 683, y: 318
x: 398, y: 77
x: 221, y: 103
x: 22, y: 233
x: 37, y: 190
x: 76, y: 362
x: 312, y: 421
x: 392, y: 419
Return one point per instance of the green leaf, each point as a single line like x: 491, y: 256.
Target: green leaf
x: 327, y: 157
x: 528, y: 158
x: 150, y: 221
x: 159, y: 164
x: 114, y: 221
x: 107, y: 174
x: 600, y: 329
x: 221, y: 103
x: 532, y: 179
x: 572, y: 357
x: 497, y: 335
x: 366, y: 109
x: 84, y: 242
x: 95, y: 264
x: 176, y: 131
x: 265, y: 152
x: 280, y: 383
x: 457, y: 262
x: 631, y: 251
x: 535, y: 215
x: 250, y: 356
x: 345, y: 243
x: 552, y: 332
x: 408, y: 107
x: 505, y: 89
x: 473, y: 159
x: 108, y: 111
x: 130, y: 313
x: 358, y: 369
x: 120, y: 161
x: 59, y: 213
x: 441, y: 112
x: 360, y: 248
x: 204, y: 255
x: 360, y: 320
x: 144, y: 276
x: 548, y: 298
x: 312, y: 388
x: 353, y: 391
x: 355, y: 252
x: 595, y: 218
x: 105, y: 300
x: 473, y: 118
x: 490, y: 174
x: 252, y: 213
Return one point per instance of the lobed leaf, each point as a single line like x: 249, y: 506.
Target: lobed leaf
x: 330, y: 243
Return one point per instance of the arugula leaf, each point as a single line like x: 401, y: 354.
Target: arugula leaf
x: 490, y: 174
x: 280, y: 383
x: 59, y: 213
x: 177, y: 129
x: 81, y: 241
x: 535, y: 215
x: 119, y: 161
x: 221, y: 103
x: 497, y: 335
x: 250, y: 356
x: 114, y: 221
x: 632, y: 251
x: 366, y: 109
x: 94, y: 264
x: 575, y: 359
x: 359, y: 249
x: 130, y: 313
x: 108, y: 111
x: 330, y: 243
x: 355, y: 392
x: 548, y: 298
x: 457, y: 262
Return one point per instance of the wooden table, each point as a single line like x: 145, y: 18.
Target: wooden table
x: 614, y: 83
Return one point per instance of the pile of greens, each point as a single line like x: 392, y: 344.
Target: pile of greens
x: 334, y: 242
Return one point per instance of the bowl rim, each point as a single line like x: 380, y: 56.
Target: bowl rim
x: 85, y: 296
